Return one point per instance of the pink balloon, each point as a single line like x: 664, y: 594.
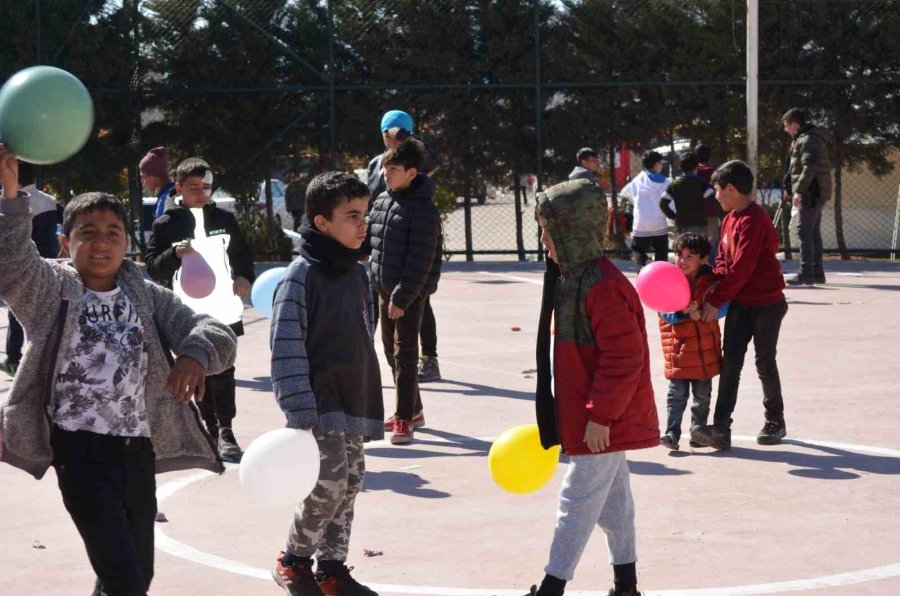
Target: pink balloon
x: 197, y: 277
x: 663, y: 287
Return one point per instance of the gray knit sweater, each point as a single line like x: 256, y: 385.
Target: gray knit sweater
x: 45, y: 296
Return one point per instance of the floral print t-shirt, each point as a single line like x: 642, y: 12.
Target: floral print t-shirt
x: 101, y: 387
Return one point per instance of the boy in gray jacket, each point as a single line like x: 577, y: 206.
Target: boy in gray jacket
x: 97, y: 394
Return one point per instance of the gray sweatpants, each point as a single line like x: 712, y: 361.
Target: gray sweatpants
x: 322, y: 523
x: 595, y: 490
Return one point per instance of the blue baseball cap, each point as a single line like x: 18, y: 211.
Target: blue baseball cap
x: 396, y: 119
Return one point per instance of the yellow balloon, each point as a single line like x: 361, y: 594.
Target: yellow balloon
x: 518, y: 462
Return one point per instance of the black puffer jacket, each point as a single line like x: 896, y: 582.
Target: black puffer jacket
x: 405, y: 234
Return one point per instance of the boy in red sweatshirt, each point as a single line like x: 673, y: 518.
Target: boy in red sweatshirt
x: 750, y: 279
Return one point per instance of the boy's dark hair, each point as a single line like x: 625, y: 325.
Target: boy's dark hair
x: 734, y: 172
x: 694, y: 242
x: 584, y: 153
x: 794, y: 115
x: 327, y: 191
x: 689, y: 162
x: 192, y: 166
x: 703, y: 153
x: 88, y: 203
x: 406, y: 154
x: 650, y: 159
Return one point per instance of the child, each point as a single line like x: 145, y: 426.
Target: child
x: 692, y: 348
x: 688, y: 193
x: 750, y: 279
x: 603, y: 393
x: 168, y: 243
x: 326, y: 379
x: 651, y: 230
x: 406, y: 265
x: 97, y: 394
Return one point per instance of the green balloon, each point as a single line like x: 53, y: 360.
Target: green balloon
x: 46, y: 115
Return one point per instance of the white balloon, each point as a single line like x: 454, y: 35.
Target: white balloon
x: 281, y: 467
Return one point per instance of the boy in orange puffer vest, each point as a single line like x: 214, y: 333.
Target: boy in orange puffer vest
x: 692, y: 348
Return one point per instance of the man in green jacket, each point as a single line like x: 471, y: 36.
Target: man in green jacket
x: 808, y: 185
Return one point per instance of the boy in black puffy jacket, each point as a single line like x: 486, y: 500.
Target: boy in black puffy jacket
x: 405, y: 232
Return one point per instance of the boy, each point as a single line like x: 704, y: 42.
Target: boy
x: 169, y: 242
x: 750, y: 279
x: 688, y: 193
x: 326, y: 379
x: 603, y: 393
x: 97, y: 393
x: 406, y: 265
x: 154, y: 169
x: 692, y: 348
x: 651, y: 230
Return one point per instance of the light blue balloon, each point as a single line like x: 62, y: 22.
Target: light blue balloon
x: 263, y: 293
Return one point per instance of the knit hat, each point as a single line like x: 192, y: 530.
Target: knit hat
x: 155, y: 163
x: 396, y: 119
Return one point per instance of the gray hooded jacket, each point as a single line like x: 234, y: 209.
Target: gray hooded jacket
x: 45, y: 296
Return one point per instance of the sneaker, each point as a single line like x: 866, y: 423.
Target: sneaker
x: 418, y: 421
x: 628, y: 592
x: 229, y: 450
x: 429, y: 370
x: 9, y: 368
x: 403, y: 433
x: 801, y: 279
x: 712, y: 436
x: 771, y: 433
x: 694, y: 444
x: 296, y: 580
x: 532, y: 592
x: 342, y: 584
x: 819, y: 277
x: 669, y: 441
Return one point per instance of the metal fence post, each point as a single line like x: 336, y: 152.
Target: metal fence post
x: 467, y: 206
x: 517, y: 194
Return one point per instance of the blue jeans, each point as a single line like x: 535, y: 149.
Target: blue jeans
x: 676, y: 402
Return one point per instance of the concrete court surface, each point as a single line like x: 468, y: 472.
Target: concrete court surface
x: 817, y: 513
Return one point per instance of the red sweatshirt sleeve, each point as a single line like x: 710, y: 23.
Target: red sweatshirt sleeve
x: 748, y: 241
x: 617, y: 323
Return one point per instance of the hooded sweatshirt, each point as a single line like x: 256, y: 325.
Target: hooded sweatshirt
x: 645, y: 191
x: 601, y: 365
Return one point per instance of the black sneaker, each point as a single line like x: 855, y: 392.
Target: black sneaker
x: 669, y: 441
x: 229, y: 450
x: 712, y: 436
x: 771, y: 433
x: 801, y: 279
x: 819, y: 277
x: 341, y: 584
x: 429, y: 370
x: 628, y: 592
x: 296, y: 580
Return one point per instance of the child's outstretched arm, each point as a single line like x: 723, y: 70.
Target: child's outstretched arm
x: 621, y: 346
x: 290, y: 362
x: 162, y: 255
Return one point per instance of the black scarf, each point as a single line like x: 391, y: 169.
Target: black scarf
x: 319, y: 249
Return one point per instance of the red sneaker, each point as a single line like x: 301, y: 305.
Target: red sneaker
x: 418, y: 421
x: 403, y: 433
x: 296, y: 580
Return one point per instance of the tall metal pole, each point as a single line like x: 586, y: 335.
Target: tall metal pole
x: 752, y: 84
x: 331, y: 118
x: 539, y: 145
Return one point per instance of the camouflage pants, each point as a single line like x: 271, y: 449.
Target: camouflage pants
x: 322, y: 522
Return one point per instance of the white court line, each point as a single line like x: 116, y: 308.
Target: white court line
x: 189, y: 553
x: 527, y: 280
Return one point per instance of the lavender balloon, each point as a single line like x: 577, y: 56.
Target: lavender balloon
x: 197, y: 277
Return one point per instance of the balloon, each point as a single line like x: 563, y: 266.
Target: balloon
x: 197, y: 277
x: 263, y: 292
x: 663, y: 287
x: 518, y: 462
x: 46, y: 115
x: 281, y: 467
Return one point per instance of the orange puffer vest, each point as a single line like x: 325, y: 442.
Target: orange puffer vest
x: 692, y: 349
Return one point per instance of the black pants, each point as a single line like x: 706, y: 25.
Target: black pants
x: 401, y: 348
x: 641, y: 245
x: 15, y: 339
x: 761, y: 324
x: 218, y: 408
x: 108, y: 485
x: 810, y: 232
x: 429, y: 331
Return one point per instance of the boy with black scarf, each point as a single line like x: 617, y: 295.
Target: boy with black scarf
x: 326, y: 379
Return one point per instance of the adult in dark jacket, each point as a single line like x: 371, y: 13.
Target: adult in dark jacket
x: 169, y: 242
x: 808, y: 185
x: 405, y: 235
